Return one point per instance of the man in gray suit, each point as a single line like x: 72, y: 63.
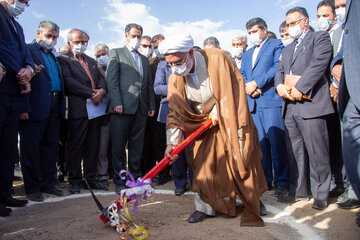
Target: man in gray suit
x: 132, y: 99
x: 305, y: 107
x: 349, y: 97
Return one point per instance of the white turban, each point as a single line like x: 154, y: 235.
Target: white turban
x: 176, y: 43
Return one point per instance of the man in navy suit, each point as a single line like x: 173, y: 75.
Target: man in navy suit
x: 19, y: 66
x: 41, y: 112
x: 258, y: 67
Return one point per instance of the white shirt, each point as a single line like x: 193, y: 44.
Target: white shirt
x: 256, y: 51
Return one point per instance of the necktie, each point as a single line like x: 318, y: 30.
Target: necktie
x: 86, y: 68
x: 136, y: 58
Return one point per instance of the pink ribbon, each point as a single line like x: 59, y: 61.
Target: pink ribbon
x: 132, y: 184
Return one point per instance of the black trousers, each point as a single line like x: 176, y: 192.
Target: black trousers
x: 83, y: 144
x: 127, y: 130
x: 9, y: 127
x: 39, y: 150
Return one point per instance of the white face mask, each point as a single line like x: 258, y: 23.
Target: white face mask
x: 158, y: 54
x: 184, y: 68
x: 255, y: 38
x: 134, y: 43
x: 237, y: 52
x: 296, y: 31
x: 102, y: 60
x: 324, y: 24
x: 47, y: 44
x: 79, y: 49
x: 17, y: 8
x: 287, y: 41
x: 340, y: 13
x: 146, y: 51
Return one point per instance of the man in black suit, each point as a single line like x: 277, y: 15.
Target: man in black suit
x: 132, y: 99
x: 19, y: 67
x: 305, y: 107
x: 41, y: 112
x: 84, y: 85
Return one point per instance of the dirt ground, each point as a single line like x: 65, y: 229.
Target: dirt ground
x: 165, y: 215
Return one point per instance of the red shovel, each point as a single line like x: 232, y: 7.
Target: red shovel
x: 162, y: 164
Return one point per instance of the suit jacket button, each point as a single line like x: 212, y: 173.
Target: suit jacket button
x: 346, y: 31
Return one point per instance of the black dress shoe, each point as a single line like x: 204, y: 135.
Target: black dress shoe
x: 179, y: 191
x: 36, y: 197
x: 336, y: 192
x: 349, y: 204
x: 58, y: 184
x: 281, y: 191
x: 4, y: 211
x: 197, y: 216
x: 105, y: 183
x: 53, y: 191
x: 319, y: 204
x: 96, y: 185
x: 286, y: 199
x: 74, y: 188
x: 118, y: 188
x: 12, y: 202
x: 263, y: 210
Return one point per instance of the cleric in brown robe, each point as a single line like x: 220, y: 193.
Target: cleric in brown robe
x: 226, y: 159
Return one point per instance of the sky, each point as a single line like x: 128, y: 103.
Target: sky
x: 105, y: 20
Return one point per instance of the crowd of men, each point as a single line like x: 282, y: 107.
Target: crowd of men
x: 284, y: 112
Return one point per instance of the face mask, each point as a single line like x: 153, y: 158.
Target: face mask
x: 295, y: 31
x: 158, y: 54
x: 323, y: 24
x: 237, y: 52
x: 102, y: 60
x: 146, y: 52
x: 287, y: 41
x: 79, y: 49
x: 47, y: 44
x: 134, y: 43
x: 340, y: 13
x: 184, y: 68
x: 17, y: 8
x: 255, y: 39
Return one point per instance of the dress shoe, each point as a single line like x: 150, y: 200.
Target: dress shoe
x: 36, y: 197
x: 336, y: 192
x: 286, y: 199
x: 319, y: 204
x: 53, y: 191
x: 281, y: 191
x: 197, y: 216
x: 12, y: 202
x: 58, y: 184
x: 349, y: 204
x: 160, y: 180
x: 4, y: 211
x: 105, y: 183
x: 74, y: 188
x: 263, y: 210
x: 179, y: 191
x: 270, y: 186
x: 118, y: 188
x: 17, y: 178
x: 96, y: 186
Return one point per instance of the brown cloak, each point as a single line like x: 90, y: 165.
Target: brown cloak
x: 226, y: 159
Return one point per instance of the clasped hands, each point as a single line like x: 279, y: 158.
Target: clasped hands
x: 97, y: 96
x: 290, y: 93
x: 252, y: 89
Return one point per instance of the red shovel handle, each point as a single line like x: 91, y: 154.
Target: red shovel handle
x: 166, y: 161
x: 178, y: 149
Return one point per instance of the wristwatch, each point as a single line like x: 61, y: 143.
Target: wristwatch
x: 32, y: 70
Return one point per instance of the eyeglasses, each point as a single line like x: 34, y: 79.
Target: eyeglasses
x: 78, y: 42
x: 178, y: 63
x: 293, y: 24
x: 146, y: 46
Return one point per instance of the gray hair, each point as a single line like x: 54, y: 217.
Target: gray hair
x: 212, y: 41
x: 241, y: 35
x: 133, y: 25
x: 72, y: 31
x: 100, y: 46
x: 147, y: 38
x: 48, y: 25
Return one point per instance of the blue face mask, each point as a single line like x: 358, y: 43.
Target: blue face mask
x: 17, y: 8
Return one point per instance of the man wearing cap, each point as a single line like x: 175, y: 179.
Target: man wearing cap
x: 226, y: 159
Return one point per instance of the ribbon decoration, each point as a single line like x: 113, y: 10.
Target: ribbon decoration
x: 140, y: 189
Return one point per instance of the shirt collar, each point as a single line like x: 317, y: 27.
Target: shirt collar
x: 336, y: 26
